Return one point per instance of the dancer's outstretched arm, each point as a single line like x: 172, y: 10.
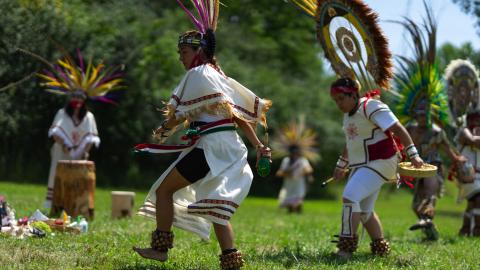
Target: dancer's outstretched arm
x: 400, y: 131
x: 262, y: 150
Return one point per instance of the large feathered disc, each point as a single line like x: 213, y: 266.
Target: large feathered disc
x: 463, y: 87
x: 353, y: 42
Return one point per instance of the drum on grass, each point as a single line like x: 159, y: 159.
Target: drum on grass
x: 74, y: 188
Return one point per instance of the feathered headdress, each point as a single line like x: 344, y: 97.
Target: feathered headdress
x: 418, y: 80
x: 206, y: 23
x: 463, y: 87
x: 296, y: 134
x: 352, y: 40
x: 94, y: 81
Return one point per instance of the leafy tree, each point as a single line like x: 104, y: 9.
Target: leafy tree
x: 270, y: 48
x: 448, y: 52
x: 470, y: 7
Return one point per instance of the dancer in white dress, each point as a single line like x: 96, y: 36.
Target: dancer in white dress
x: 211, y: 177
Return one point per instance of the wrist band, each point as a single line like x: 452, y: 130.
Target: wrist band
x: 342, y: 163
x: 411, y: 151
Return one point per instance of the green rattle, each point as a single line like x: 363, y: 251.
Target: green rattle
x: 263, y: 168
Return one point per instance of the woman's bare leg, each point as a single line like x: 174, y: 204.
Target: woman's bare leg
x: 164, y: 211
x: 164, y: 203
x: 224, y: 235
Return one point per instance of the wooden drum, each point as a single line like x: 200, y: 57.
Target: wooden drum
x: 74, y: 188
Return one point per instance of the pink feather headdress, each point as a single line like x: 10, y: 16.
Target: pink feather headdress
x: 207, y: 11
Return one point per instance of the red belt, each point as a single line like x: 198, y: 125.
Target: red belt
x: 383, y: 149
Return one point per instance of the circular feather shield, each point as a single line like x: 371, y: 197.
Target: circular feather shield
x: 353, y: 42
x: 463, y: 87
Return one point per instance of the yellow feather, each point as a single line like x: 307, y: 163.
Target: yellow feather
x: 95, y: 74
x: 308, y: 6
x: 46, y: 77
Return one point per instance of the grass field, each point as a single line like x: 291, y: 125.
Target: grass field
x: 270, y: 238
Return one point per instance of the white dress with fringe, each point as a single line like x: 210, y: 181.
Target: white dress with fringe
x: 216, y: 197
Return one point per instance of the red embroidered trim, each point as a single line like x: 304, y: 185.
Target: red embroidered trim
x: 253, y: 114
x: 217, y: 215
x: 211, y: 207
x: 193, y: 101
x: 255, y: 108
x: 218, y: 202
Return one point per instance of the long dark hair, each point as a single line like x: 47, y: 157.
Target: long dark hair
x: 81, y: 114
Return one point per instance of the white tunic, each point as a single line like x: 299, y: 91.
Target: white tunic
x: 73, y: 136
x: 216, y: 197
x: 364, y: 129
x: 294, y: 187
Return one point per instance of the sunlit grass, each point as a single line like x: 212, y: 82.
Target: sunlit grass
x: 269, y: 238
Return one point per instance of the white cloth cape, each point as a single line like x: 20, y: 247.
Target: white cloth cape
x: 204, y: 85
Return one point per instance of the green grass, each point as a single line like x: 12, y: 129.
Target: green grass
x: 269, y: 238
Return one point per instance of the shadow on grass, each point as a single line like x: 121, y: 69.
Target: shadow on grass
x: 295, y: 255
x: 157, y: 267
x: 142, y: 267
x: 447, y: 213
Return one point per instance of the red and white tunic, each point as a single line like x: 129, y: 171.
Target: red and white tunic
x: 372, y: 155
x: 367, y: 140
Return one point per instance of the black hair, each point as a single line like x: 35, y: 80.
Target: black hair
x: 346, y: 82
x: 473, y: 115
x: 81, y: 114
x: 207, y: 43
x: 293, y: 149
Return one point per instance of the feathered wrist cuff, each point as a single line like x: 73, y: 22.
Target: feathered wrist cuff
x: 164, y: 126
x: 411, y: 151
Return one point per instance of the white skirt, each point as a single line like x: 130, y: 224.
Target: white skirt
x: 292, y: 192
x: 214, y: 198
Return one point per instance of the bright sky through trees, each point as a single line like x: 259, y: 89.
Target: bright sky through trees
x: 454, y: 26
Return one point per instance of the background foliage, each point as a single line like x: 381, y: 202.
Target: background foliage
x: 269, y: 238
x: 269, y: 48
